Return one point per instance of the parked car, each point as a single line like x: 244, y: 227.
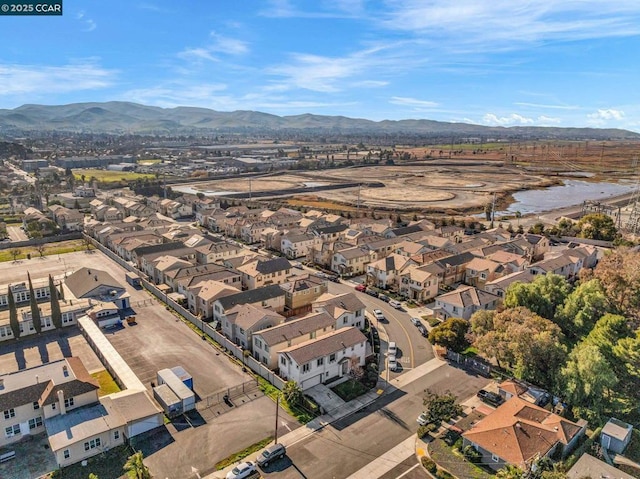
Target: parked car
x: 423, y: 331
x: 298, y: 265
x: 242, y: 470
x: 384, y: 298
x: 416, y: 321
x: 423, y: 419
x: 371, y: 292
x: 490, y: 398
x: 395, y: 304
x: 277, y: 451
x: 361, y: 287
x: 379, y: 315
x: 392, y: 348
x: 334, y: 278
x: 393, y: 363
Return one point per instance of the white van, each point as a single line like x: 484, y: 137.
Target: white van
x: 395, y: 304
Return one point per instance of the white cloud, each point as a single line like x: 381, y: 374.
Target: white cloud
x: 608, y: 114
x: 197, y: 54
x: 230, y: 46
x: 507, y: 24
x: 88, y: 24
x: 547, y: 120
x: 513, y: 119
x: 29, y: 79
x: 328, y: 74
x: 551, y: 107
x: 181, y: 94
x: 316, y: 9
x: 370, y: 83
x: 413, y: 102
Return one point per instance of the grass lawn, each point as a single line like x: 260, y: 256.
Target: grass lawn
x: 301, y: 415
x: 432, y: 320
x: 238, y: 456
x: 107, y: 384
x: 452, y: 460
x: 105, y: 465
x: 106, y: 176
x: 349, y: 390
x: 61, y: 247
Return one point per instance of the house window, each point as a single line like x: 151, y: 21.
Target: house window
x: 306, y: 368
x: 116, y: 435
x: 12, y: 430
x: 68, y: 402
x: 320, y: 361
x: 283, y: 361
x: 66, y: 454
x: 35, y: 422
x: 258, y: 343
x: 65, y: 371
x: 53, y: 406
x: 92, y: 444
x: 332, y: 358
x: 345, y: 320
x: 358, y: 313
x: 9, y: 413
x: 36, y: 405
x: 495, y: 458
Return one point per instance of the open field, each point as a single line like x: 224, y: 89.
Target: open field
x: 49, y: 249
x: 106, y: 176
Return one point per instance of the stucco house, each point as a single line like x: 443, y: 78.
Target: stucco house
x: 243, y: 320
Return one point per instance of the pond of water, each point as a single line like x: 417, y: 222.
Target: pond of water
x: 573, y: 192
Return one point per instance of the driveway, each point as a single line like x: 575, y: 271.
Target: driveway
x: 16, y: 234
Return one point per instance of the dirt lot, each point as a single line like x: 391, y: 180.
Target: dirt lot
x: 437, y: 178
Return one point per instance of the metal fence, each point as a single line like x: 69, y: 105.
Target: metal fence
x: 474, y: 364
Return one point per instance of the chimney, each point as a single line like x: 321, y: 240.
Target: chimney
x: 88, y: 271
x: 37, y: 379
x: 63, y: 410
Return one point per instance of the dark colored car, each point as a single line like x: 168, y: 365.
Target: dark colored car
x: 334, y: 278
x: 423, y: 331
x: 371, y: 292
x: 277, y: 451
x: 490, y: 398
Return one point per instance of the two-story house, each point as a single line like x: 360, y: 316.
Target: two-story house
x: 463, y: 302
x: 267, y: 343
x: 346, y: 309
x: 243, y: 320
x: 262, y: 272
x: 323, y: 359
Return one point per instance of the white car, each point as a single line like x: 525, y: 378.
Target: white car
x: 379, y: 315
x: 242, y: 470
x: 392, y: 349
x: 415, y: 321
x: 423, y: 419
x: 393, y: 363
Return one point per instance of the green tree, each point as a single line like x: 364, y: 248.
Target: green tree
x: 292, y: 392
x: 35, y: 310
x: 587, y: 377
x: 582, y: 308
x: 627, y: 354
x: 93, y: 476
x: 451, y: 334
x: 597, y: 226
x: 441, y: 407
x: 56, y: 315
x: 542, y: 296
x: 606, y: 333
x: 135, y: 467
x: 13, y: 314
x: 531, y: 345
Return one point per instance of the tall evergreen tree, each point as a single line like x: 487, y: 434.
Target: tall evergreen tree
x: 56, y: 315
x: 13, y: 314
x: 35, y: 311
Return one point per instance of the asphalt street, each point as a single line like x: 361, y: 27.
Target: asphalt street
x: 414, y: 349
x: 344, y: 447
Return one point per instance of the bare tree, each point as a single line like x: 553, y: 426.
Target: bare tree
x: 15, y: 253
x: 40, y: 248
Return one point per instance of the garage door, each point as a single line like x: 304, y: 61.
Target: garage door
x: 307, y: 383
x: 146, y: 424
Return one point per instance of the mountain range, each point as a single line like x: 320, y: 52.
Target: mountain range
x: 124, y: 117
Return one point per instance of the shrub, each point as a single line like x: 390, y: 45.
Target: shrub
x: 442, y: 474
x: 429, y: 465
x: 472, y: 455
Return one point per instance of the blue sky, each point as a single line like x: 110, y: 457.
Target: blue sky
x: 499, y: 62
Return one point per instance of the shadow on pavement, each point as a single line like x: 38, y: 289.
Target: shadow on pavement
x: 152, y: 441
x: 376, y: 406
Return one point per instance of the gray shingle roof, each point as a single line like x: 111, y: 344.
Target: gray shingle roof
x: 85, y: 280
x: 296, y: 328
x: 325, y: 345
x: 252, y: 296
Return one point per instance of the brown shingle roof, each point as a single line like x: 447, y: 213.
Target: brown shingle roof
x: 518, y: 431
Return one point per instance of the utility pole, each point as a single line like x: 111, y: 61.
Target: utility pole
x: 277, y: 404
